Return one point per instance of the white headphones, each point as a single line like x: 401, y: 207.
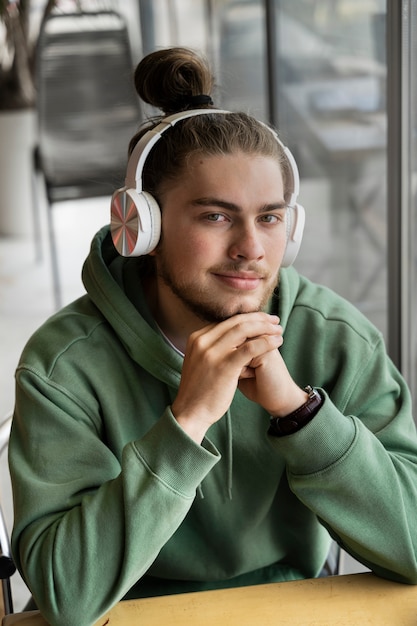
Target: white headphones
x: 136, y: 217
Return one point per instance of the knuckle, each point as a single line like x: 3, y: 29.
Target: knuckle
x: 197, y: 341
x: 248, y: 348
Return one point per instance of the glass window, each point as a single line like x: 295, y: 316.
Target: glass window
x: 407, y: 278
x: 332, y: 111
x: 241, y: 62
x: 175, y: 23
x: 412, y: 286
x: 330, y: 73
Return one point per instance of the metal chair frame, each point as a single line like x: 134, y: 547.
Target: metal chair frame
x: 7, y: 566
x: 87, y: 112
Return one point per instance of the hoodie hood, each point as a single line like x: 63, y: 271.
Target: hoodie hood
x: 108, y: 278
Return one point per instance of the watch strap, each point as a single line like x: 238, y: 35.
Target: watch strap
x: 282, y: 426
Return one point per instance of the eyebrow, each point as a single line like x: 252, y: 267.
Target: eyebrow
x: 231, y: 206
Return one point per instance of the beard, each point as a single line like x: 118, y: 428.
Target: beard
x: 201, y: 300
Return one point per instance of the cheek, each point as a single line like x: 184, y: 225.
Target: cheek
x: 200, y: 246
x: 184, y: 252
x: 275, y: 249
x: 185, y: 242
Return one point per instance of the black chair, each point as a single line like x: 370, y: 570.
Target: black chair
x: 87, y: 111
x: 7, y: 566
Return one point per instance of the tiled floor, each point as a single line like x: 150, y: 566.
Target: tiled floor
x: 26, y: 295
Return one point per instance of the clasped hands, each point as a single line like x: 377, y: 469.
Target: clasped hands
x: 240, y: 352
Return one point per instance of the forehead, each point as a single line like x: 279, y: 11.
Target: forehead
x: 242, y: 183
x: 230, y: 170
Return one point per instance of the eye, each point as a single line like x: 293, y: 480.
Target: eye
x: 272, y: 218
x: 215, y: 217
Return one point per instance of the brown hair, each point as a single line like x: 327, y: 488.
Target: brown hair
x: 169, y: 80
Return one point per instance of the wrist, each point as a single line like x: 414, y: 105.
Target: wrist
x: 289, y: 404
x: 281, y: 426
x: 194, y: 431
x: 193, y: 426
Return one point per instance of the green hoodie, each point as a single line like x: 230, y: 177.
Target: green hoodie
x: 113, y: 499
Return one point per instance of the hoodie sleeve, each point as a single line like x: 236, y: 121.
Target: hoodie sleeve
x: 88, y: 526
x: 356, y: 469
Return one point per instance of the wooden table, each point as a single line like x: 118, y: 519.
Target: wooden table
x: 353, y: 600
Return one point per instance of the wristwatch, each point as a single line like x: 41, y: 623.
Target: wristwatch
x: 281, y: 426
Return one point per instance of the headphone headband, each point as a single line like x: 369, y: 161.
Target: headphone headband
x: 149, y: 139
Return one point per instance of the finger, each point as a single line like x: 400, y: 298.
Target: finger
x: 258, y: 360
x: 236, y: 321
x: 235, y: 331
x: 255, y: 349
x: 247, y: 372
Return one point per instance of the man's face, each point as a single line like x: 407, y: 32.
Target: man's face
x: 223, y: 237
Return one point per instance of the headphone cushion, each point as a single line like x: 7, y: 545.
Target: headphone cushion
x: 155, y: 216
x: 295, y: 220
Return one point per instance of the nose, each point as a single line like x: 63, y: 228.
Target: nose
x: 246, y: 244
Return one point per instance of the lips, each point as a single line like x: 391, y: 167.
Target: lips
x: 244, y: 281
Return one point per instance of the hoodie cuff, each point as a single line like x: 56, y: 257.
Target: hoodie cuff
x: 320, y: 443
x: 173, y: 457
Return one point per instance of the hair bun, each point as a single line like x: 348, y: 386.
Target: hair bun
x: 174, y: 79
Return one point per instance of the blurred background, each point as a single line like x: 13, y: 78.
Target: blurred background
x: 336, y: 78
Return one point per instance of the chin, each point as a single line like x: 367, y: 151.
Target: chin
x: 221, y: 313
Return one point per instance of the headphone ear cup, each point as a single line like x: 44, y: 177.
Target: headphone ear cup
x: 135, y: 222
x: 295, y: 220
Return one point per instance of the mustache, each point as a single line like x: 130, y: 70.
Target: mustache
x: 236, y: 268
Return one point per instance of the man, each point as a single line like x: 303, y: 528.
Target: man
x: 204, y: 417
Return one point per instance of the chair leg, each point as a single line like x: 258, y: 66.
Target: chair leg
x: 7, y: 596
x: 37, y: 231
x: 56, y: 285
